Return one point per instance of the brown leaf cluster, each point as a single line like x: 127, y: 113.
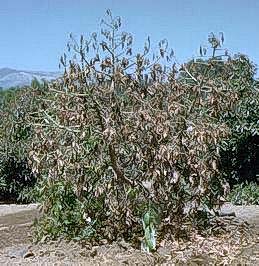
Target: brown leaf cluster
x: 130, y: 135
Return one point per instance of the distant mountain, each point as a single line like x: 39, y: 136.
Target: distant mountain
x: 18, y: 78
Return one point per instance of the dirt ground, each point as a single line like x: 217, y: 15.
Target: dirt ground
x: 237, y: 243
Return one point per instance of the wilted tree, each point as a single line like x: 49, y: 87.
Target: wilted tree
x: 134, y: 142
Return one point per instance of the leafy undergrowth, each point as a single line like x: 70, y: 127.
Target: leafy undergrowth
x: 66, y: 214
x: 245, y: 194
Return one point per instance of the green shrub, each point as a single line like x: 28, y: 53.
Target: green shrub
x: 240, y: 151
x: 16, y: 180
x: 15, y: 135
x: 245, y: 194
x: 65, y: 214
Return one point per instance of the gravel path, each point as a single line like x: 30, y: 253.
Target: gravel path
x: 6, y: 209
x: 249, y: 213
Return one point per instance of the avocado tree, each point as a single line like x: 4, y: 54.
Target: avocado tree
x: 137, y: 146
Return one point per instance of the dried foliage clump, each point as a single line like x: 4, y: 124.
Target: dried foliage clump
x: 131, y: 136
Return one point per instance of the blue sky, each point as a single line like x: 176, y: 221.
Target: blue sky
x: 34, y: 33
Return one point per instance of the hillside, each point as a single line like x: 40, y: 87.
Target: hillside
x: 18, y: 78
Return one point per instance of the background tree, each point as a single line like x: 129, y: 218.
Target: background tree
x: 239, y: 155
x: 16, y: 178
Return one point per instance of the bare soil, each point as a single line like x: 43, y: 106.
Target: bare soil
x: 237, y: 243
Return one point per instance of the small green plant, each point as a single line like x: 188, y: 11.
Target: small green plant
x: 149, y: 222
x: 245, y: 194
x: 66, y: 214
